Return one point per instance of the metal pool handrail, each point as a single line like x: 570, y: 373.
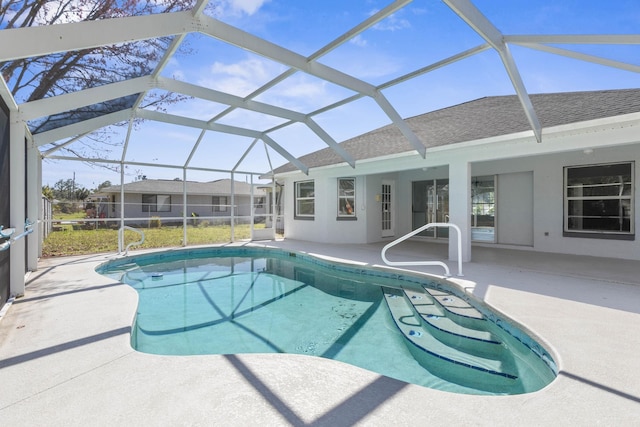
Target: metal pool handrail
x: 419, y: 230
x: 121, y: 238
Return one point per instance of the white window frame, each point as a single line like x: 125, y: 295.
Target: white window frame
x: 346, y: 201
x: 298, y: 199
x: 610, y: 234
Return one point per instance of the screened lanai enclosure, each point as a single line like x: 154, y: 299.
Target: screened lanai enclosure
x: 186, y: 107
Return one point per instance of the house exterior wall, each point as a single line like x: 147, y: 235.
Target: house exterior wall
x: 325, y: 227
x: 198, y: 204
x: 530, y: 176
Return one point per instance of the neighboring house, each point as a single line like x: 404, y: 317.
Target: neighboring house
x: 164, y: 199
x: 574, y: 192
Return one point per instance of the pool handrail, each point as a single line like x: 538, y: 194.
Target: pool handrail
x: 121, y: 239
x: 419, y: 230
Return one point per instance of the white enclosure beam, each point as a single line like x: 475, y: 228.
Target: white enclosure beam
x: 401, y: 124
x: 583, y: 57
x: 57, y: 147
x: 246, y: 41
x: 244, y: 155
x: 284, y: 153
x: 575, y: 39
x: 481, y: 25
x: 232, y: 35
x: 200, y: 124
x: 195, y: 123
x: 69, y: 131
x: 71, y: 101
x: 227, y: 99
x: 27, y: 42
x: 330, y: 142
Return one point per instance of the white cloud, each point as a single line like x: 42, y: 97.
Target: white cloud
x: 240, y: 78
x: 392, y: 23
x: 240, y: 7
x: 358, y: 41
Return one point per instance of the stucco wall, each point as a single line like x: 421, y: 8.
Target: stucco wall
x: 544, y: 229
x: 200, y: 204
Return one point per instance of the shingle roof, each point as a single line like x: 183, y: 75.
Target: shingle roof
x: 483, y: 118
x: 155, y: 186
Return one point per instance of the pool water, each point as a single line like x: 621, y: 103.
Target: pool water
x: 254, y: 300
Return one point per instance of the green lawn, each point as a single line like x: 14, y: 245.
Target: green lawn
x: 80, y: 242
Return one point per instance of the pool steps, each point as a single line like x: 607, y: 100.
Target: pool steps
x: 451, y: 329
x: 444, y: 349
x: 458, y: 309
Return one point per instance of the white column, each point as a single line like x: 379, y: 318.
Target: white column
x: 233, y: 211
x: 17, y: 201
x: 460, y: 208
x: 185, y: 206
x: 34, y: 195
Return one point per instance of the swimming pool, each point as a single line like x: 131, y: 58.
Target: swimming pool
x: 231, y: 300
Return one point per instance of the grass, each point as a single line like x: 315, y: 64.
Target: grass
x: 80, y: 242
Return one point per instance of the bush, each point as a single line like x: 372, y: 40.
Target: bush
x: 155, y: 222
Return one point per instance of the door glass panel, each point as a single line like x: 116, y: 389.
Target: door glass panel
x: 442, y: 211
x: 483, y: 208
x: 386, y: 207
x: 420, y: 206
x: 431, y: 204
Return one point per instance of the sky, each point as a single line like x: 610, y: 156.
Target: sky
x: 422, y: 33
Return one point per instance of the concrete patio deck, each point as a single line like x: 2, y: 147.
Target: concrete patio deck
x: 65, y: 356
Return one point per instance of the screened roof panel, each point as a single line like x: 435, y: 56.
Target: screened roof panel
x: 170, y: 144
x: 66, y: 118
x: 304, y: 93
x: 280, y: 22
x: 251, y: 119
x: 409, y: 39
x: 232, y: 69
x: 363, y: 116
x: 554, y: 17
x: 221, y: 151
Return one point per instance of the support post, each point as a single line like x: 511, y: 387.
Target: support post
x: 185, y: 206
x: 17, y: 201
x: 460, y: 208
x: 34, y: 197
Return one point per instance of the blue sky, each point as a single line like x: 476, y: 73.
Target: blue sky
x: 422, y: 33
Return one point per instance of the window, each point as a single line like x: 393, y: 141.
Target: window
x: 598, y: 201
x: 220, y: 203
x: 156, y: 203
x: 304, y: 199
x: 346, y: 198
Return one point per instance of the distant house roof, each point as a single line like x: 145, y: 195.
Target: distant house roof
x: 483, y: 118
x: 165, y: 186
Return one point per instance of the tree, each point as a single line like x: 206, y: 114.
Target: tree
x: 50, y: 75
x: 64, y: 189
x: 105, y: 184
x: 82, y: 193
x: 47, y: 192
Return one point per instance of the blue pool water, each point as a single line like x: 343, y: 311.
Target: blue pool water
x: 257, y: 300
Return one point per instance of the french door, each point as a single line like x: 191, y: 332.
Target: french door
x: 430, y: 203
x: 388, y: 214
